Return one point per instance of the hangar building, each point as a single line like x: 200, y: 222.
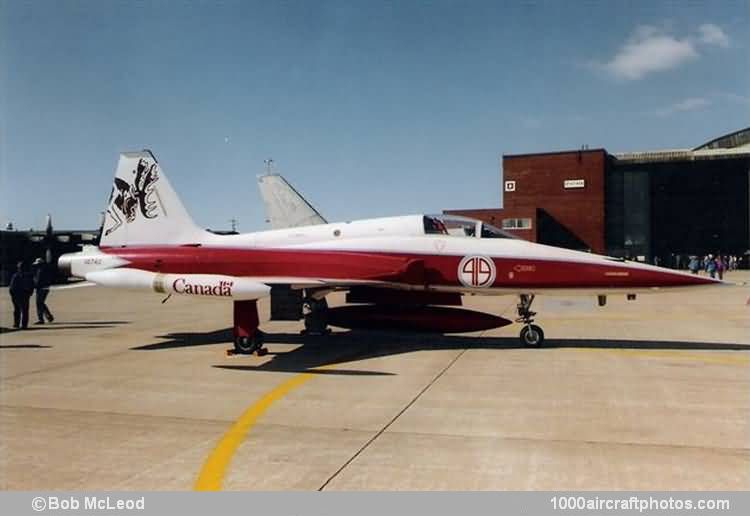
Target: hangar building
x: 651, y: 206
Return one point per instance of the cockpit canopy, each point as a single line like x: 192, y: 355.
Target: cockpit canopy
x: 455, y: 226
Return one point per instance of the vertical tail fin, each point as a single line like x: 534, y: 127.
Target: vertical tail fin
x: 285, y: 206
x: 143, y: 209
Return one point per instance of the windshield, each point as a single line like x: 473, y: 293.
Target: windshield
x: 456, y: 226
x: 489, y: 231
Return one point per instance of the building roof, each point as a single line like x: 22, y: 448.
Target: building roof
x: 552, y: 153
x: 732, y: 145
x: 728, y: 146
x: 737, y: 139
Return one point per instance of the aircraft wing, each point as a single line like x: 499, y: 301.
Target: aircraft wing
x: 300, y: 282
x: 285, y: 207
x: 372, y: 271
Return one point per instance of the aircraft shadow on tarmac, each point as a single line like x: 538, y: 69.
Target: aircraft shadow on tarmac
x: 351, y: 346
x: 23, y: 346
x: 66, y: 325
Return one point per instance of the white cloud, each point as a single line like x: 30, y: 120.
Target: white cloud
x: 649, y: 50
x: 689, y: 104
x: 711, y: 34
x: 654, y: 49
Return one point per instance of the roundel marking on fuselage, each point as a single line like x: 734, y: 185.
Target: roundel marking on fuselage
x: 476, y: 271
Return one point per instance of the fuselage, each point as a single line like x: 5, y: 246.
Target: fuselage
x: 398, y: 252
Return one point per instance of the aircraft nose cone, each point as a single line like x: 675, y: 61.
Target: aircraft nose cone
x: 673, y: 278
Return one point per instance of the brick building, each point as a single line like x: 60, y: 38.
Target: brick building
x: 641, y: 205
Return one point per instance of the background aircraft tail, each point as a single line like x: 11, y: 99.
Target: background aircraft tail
x: 285, y: 207
x: 143, y: 209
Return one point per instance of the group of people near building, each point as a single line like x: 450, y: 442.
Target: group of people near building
x: 23, y: 284
x: 714, y: 266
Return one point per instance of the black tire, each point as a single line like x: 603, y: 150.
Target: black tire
x: 532, y: 336
x: 243, y: 345
x: 248, y: 345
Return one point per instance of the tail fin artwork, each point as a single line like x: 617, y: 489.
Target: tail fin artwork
x: 285, y: 207
x: 143, y: 209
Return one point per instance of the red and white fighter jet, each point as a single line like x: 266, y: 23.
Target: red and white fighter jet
x: 406, y: 272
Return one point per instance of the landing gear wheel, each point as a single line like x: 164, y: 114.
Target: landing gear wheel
x: 316, y: 320
x: 532, y: 336
x: 248, y: 345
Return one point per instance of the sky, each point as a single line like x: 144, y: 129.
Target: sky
x: 369, y: 108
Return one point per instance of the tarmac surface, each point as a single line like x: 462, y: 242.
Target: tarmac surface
x: 123, y: 392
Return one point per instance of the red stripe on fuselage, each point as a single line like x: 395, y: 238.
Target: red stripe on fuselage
x: 439, y: 270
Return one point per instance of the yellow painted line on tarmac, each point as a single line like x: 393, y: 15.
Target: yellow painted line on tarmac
x: 713, y: 357
x: 215, y: 467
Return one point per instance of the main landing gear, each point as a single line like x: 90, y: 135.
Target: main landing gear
x: 316, y: 316
x: 248, y: 339
x: 532, y: 335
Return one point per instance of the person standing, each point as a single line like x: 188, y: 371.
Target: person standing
x: 720, y: 267
x: 20, y: 288
x: 694, y: 265
x: 711, y: 266
x: 42, y: 282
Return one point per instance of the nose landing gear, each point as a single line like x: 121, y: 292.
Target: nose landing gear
x: 532, y: 335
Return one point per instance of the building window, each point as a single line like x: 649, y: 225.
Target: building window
x: 516, y: 224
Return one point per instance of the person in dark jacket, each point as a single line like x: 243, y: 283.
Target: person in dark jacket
x: 694, y: 264
x: 21, y: 288
x: 42, y: 282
